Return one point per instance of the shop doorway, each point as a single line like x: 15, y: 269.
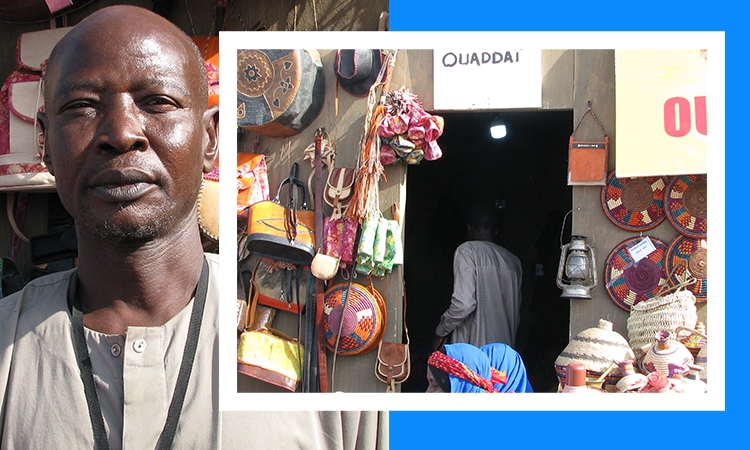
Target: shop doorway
x: 525, y: 176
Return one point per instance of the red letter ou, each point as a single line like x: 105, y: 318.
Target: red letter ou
x: 700, y: 115
x: 671, y: 114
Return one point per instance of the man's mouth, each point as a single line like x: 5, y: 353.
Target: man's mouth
x: 122, y: 185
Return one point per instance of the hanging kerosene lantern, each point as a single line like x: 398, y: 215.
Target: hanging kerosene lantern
x: 576, y: 274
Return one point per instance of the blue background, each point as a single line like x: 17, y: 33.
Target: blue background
x: 417, y: 430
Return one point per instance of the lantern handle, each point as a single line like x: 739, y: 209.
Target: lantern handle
x: 562, y: 229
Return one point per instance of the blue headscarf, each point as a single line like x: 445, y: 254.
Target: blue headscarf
x: 505, y: 359
x: 474, y: 359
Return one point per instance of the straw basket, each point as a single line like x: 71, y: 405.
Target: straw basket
x: 596, y: 348
x: 665, y: 312
x: 665, y: 350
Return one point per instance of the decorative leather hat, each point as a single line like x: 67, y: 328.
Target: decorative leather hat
x: 357, y: 70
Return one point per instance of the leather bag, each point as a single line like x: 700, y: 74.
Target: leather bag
x: 339, y: 188
x: 393, y: 364
x: 279, y: 285
x: 252, y: 182
x: 587, y: 160
x: 279, y: 92
x: 21, y: 97
x: 285, y: 233
x: 267, y: 354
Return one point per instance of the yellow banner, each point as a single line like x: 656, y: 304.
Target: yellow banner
x: 661, y: 112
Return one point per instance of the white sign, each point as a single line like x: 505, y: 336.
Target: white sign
x: 642, y: 249
x: 487, y: 78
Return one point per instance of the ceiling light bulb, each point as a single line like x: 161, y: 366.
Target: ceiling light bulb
x: 498, y: 129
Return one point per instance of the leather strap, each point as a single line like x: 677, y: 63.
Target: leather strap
x: 318, y: 334
x: 183, y: 378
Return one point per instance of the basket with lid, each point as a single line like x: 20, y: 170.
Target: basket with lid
x: 596, y: 348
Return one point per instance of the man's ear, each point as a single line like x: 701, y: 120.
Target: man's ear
x: 42, y: 140
x: 211, y: 123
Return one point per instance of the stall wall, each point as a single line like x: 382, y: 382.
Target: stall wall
x: 570, y: 79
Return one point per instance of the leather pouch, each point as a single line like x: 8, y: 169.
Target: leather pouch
x: 393, y: 364
x: 324, y: 267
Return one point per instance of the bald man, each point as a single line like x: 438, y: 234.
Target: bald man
x: 121, y: 352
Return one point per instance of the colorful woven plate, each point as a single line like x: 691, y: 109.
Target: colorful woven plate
x: 629, y: 282
x: 634, y: 204
x: 687, y: 205
x: 364, y: 318
x: 686, y: 257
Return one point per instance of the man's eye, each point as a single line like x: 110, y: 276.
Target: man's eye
x: 77, y: 106
x: 162, y: 102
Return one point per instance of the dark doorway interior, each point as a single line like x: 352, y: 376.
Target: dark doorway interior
x: 525, y: 176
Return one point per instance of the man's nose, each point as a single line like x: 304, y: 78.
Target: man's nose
x: 121, y: 127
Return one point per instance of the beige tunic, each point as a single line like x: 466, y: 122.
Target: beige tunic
x: 41, y: 392
x: 305, y: 430
x: 486, y: 303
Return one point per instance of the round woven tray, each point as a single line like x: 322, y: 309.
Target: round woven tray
x: 634, y: 204
x: 686, y: 257
x: 628, y: 282
x: 363, y: 315
x: 687, y: 204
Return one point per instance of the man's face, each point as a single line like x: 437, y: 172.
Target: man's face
x: 127, y: 132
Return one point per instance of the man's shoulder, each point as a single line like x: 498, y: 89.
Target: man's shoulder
x: 35, y: 293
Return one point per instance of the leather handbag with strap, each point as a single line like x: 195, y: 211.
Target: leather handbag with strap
x: 268, y: 354
x: 393, y: 363
x: 587, y: 160
x: 285, y: 233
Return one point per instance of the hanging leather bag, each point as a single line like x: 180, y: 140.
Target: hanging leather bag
x: 393, y: 364
x: 285, y: 233
x: 21, y: 97
x: 268, y: 354
x: 279, y: 92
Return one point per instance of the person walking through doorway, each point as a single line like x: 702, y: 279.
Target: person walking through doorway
x: 486, y: 302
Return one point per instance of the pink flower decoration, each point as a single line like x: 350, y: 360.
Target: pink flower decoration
x: 387, y: 155
x: 432, y: 151
x: 416, y: 133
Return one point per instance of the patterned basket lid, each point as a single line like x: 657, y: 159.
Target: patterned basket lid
x: 363, y: 312
x: 628, y: 281
x: 596, y: 348
x: 686, y: 257
x: 634, y: 204
x: 687, y: 205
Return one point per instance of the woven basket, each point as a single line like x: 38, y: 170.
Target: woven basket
x: 658, y: 358
x: 596, y: 348
x: 667, y: 312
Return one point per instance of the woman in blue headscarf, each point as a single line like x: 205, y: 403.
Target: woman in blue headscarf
x: 459, y: 368
x: 507, y: 361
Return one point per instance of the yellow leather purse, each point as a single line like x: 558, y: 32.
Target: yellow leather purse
x: 285, y: 233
